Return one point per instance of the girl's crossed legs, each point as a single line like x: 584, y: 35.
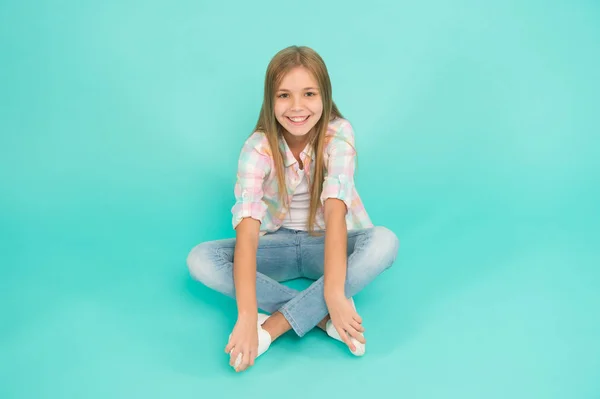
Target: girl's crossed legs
x: 290, y: 254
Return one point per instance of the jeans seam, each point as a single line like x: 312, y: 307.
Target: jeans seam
x: 301, y: 295
x: 299, y: 258
x: 292, y: 321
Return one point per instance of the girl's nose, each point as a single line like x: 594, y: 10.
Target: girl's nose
x: 297, y: 104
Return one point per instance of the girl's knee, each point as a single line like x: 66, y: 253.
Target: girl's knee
x: 377, y: 254
x: 385, y: 245
x: 201, y: 264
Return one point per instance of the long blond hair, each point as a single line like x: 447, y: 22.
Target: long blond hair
x: 282, y: 63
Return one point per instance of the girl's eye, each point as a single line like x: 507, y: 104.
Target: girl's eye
x: 283, y: 95
x: 310, y: 94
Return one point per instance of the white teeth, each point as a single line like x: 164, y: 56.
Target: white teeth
x: 299, y: 119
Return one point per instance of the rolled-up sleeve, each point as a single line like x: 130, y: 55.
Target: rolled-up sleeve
x: 340, y: 165
x: 252, y: 169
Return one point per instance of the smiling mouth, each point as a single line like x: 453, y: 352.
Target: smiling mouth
x: 298, y: 120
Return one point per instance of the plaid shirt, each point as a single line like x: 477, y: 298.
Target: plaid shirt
x: 256, y: 187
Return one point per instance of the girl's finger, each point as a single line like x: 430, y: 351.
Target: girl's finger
x: 252, y: 357
x: 233, y: 358
x: 357, y: 318
x: 357, y: 335
x: 345, y: 339
x: 357, y: 326
x: 249, y: 359
x: 245, y: 360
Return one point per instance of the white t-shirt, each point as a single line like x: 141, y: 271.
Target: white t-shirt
x: 297, y: 216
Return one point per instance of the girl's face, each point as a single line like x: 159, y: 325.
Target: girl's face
x: 298, y: 103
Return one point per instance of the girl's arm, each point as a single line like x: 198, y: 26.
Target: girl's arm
x: 244, y: 337
x: 248, y: 211
x: 343, y: 315
x: 244, y: 268
x: 338, y: 188
x: 335, y: 247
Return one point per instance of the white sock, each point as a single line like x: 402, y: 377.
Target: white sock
x: 264, y: 339
x: 332, y: 332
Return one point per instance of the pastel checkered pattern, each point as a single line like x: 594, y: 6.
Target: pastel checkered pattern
x: 256, y: 188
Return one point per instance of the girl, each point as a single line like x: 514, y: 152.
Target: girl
x: 297, y: 214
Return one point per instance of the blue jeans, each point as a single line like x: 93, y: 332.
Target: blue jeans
x: 290, y: 254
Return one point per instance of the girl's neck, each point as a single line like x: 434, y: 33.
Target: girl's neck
x: 296, y: 144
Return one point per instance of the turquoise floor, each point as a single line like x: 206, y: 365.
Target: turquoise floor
x: 478, y: 136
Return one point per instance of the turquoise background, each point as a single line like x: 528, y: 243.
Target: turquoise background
x: 477, y: 129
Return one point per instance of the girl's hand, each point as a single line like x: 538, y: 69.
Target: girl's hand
x: 243, y: 340
x: 345, y: 319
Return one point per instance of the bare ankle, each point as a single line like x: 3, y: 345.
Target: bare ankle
x: 276, y: 325
x: 323, y: 323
